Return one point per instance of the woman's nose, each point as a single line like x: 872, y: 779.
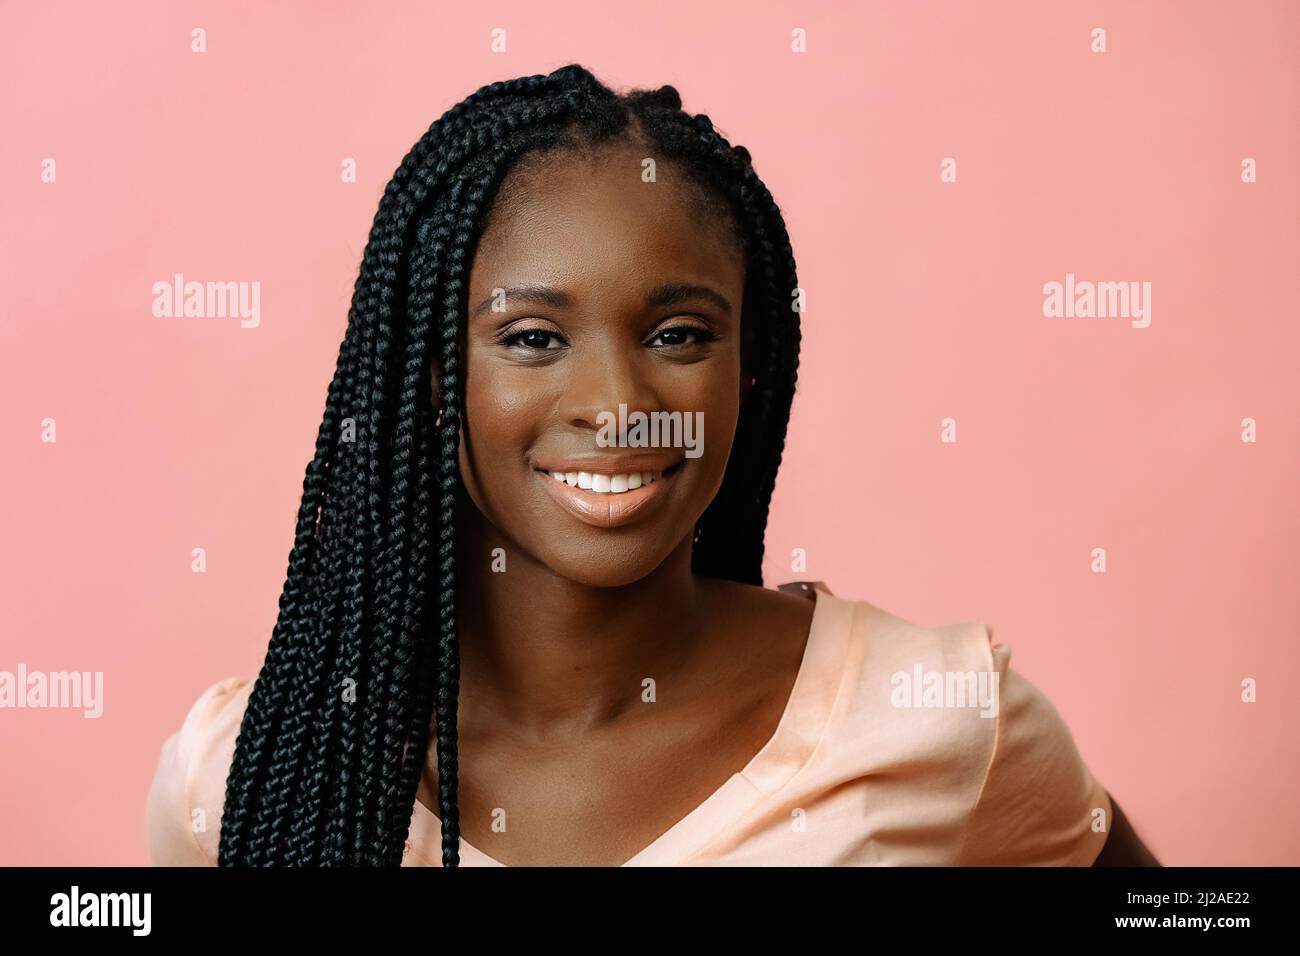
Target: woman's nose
x: 600, y: 383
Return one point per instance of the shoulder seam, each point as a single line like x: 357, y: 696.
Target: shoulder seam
x: 837, y: 701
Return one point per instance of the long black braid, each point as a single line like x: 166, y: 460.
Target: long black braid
x: 336, y: 732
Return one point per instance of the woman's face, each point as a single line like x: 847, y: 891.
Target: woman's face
x: 599, y: 290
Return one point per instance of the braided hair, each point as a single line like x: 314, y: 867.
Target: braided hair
x: 364, y: 655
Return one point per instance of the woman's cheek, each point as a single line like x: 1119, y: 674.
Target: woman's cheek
x: 710, y: 416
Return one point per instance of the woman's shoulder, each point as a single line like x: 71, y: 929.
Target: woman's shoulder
x: 942, y: 705
x: 183, y: 807
x: 875, y: 643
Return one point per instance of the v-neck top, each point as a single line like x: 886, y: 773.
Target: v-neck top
x: 899, y: 745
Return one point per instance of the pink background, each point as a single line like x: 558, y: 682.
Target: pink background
x: 924, y: 302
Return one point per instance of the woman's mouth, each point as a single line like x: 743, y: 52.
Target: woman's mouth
x: 609, y: 498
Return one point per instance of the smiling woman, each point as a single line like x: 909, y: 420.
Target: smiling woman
x: 622, y: 688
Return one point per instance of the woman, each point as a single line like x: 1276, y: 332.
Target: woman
x: 483, y: 567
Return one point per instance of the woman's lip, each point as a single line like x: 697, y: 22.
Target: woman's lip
x: 608, y: 510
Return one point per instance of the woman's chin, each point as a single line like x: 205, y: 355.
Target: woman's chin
x: 605, y: 567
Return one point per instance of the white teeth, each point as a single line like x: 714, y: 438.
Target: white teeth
x: 603, y: 484
x: 609, y: 484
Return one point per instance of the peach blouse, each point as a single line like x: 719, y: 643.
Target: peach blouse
x: 900, y: 745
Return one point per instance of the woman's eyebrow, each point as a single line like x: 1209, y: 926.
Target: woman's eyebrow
x: 667, y: 293
x: 675, y: 293
x: 539, y: 294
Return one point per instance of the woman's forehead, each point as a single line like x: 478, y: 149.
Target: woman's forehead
x: 574, y: 208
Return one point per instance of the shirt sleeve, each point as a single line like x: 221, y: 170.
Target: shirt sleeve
x: 1039, y: 804
x: 177, y: 836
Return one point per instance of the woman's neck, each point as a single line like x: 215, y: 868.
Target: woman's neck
x: 547, y: 653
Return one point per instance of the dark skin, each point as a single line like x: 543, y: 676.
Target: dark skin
x: 555, y: 650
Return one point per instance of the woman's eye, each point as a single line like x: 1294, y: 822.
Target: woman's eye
x: 535, y: 339
x: 544, y: 340
x: 677, y: 336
